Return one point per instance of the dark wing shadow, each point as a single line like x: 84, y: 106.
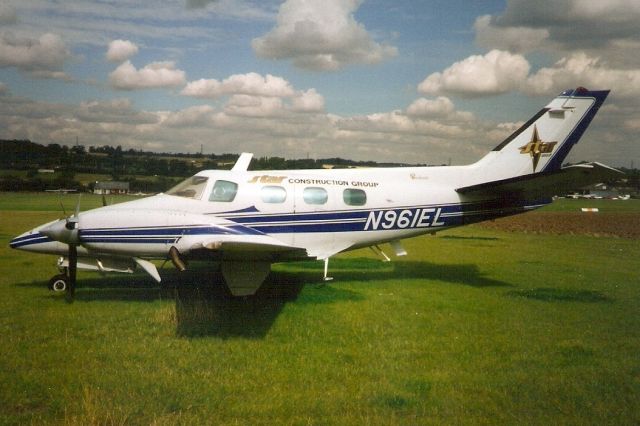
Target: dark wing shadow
x: 212, y: 311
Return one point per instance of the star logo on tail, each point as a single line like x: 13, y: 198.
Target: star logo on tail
x: 536, y: 147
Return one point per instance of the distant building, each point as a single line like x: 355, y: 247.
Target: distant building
x: 111, y: 187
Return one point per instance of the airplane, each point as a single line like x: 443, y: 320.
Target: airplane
x: 247, y: 220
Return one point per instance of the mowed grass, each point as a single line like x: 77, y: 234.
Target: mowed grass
x: 473, y: 326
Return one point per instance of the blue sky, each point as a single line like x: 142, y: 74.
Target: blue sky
x: 390, y: 81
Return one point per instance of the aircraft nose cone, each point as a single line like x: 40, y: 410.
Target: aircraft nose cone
x: 15, y: 242
x: 28, y: 241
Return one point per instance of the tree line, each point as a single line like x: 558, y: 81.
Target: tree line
x: 129, y: 165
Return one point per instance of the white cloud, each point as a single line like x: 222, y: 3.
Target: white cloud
x: 308, y: 101
x: 581, y: 69
x: 440, y: 107
x: 494, y: 73
x: 254, y: 106
x: 153, y: 75
x: 321, y: 36
x: 255, y: 95
x: 252, y: 84
x: 43, y: 57
x: 121, y: 50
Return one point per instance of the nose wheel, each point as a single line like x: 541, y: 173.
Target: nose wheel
x: 59, y: 283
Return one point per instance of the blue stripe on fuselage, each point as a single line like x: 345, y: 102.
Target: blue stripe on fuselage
x: 249, y: 223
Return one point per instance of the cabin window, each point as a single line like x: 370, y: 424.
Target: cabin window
x: 224, y: 191
x: 315, y: 195
x: 273, y: 194
x: 354, y: 197
x: 189, y: 188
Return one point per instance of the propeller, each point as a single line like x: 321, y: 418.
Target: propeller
x: 67, y: 231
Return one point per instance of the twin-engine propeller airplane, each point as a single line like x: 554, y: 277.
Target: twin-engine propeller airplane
x: 247, y: 220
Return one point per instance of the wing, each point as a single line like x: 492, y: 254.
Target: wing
x: 545, y: 184
x: 246, y: 247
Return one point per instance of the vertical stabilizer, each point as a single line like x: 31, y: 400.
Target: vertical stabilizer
x: 543, y: 142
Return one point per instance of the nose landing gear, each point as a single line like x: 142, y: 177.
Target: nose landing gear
x: 59, y: 283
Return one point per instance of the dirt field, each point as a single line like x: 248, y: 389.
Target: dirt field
x: 624, y: 225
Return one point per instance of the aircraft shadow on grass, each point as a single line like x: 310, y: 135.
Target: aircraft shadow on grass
x: 205, y: 308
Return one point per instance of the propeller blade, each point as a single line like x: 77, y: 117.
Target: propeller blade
x: 72, y: 268
x: 77, y: 212
x: 62, y: 207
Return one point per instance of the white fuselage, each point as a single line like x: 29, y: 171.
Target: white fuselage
x: 321, y: 211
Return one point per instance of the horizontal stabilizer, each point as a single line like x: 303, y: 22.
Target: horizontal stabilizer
x: 545, y: 184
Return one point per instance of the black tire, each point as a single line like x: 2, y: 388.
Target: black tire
x: 59, y: 283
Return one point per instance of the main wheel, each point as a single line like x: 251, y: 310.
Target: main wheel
x: 59, y: 283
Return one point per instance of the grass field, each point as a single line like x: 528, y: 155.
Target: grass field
x: 476, y: 325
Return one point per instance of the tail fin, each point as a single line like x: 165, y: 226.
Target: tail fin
x: 543, y: 142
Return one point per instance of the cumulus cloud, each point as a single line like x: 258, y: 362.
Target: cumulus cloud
x: 500, y: 72
x: 255, y: 95
x: 494, y: 73
x: 254, y: 106
x: 43, y: 57
x: 308, y: 101
x: 584, y: 70
x: 121, y: 50
x: 321, y: 36
x: 440, y: 107
x: 153, y: 75
x: 244, y: 84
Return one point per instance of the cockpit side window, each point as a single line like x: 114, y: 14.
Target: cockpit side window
x: 224, y: 191
x: 189, y: 188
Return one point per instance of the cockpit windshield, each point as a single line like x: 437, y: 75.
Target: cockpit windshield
x: 189, y: 188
